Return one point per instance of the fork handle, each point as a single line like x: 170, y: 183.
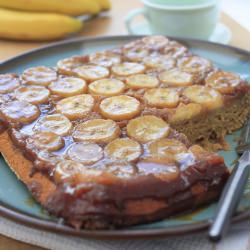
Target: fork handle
x: 229, y: 200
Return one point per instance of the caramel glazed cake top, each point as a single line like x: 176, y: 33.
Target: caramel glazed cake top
x: 101, y: 127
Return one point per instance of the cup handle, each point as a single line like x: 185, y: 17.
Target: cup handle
x: 130, y: 17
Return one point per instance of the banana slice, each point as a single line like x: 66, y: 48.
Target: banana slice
x: 19, y: 111
x: 166, y: 148
x: 66, y: 169
x: 123, y: 149
x: 68, y: 86
x: 175, y: 50
x: 176, y: 78
x: 120, y: 107
x: 185, y: 112
x: 57, y: 123
x: 162, y: 98
x: 155, y: 42
x: 32, y: 93
x: 46, y: 160
x: 121, y: 170
x: 96, y: 130
x: 8, y: 82
x: 105, y: 59
x: 86, y: 153
x: 224, y: 82
x: 127, y: 69
x: 159, y: 62
x: 198, y: 152
x: 164, y: 169
x: 66, y: 66
x: 46, y: 140
x: 194, y: 64
x: 5, y: 98
x: 75, y: 107
x: 147, y: 128
x: 208, y: 97
x: 136, y: 54
x: 142, y: 81
x: 92, y: 72
x: 39, y: 76
x: 107, y: 87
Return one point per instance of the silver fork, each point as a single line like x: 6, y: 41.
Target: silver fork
x: 233, y: 189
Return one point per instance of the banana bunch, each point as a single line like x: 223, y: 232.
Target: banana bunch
x: 43, y: 20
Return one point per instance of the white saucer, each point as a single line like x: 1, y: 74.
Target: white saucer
x: 222, y: 33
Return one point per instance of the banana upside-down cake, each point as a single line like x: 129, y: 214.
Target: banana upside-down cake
x: 122, y: 136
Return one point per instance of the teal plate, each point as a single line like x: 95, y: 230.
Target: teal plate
x: 16, y: 202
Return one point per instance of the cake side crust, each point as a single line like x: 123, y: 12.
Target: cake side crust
x: 40, y: 186
x: 142, y: 210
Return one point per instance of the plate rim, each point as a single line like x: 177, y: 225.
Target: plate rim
x: 114, y: 37
x: 25, y: 219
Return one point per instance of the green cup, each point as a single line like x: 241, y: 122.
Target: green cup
x: 179, y: 18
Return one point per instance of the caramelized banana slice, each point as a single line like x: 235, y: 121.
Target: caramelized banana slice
x: 57, y: 123
x: 105, y: 59
x: 32, y: 93
x: 164, y: 169
x: 86, y: 153
x: 39, y: 76
x: 175, y: 50
x: 127, y: 69
x: 142, y: 81
x: 224, y: 82
x: 162, y: 98
x: 66, y: 66
x: 155, y: 42
x: 121, y: 170
x: 92, y: 72
x: 68, y: 86
x: 185, y: 112
x: 147, y: 128
x: 46, y: 140
x: 75, y: 107
x: 136, y: 44
x: 46, y: 160
x: 4, y: 98
x: 159, y: 62
x: 8, y: 82
x: 166, y: 148
x: 66, y: 169
x: 176, y: 78
x: 107, y: 87
x: 96, y: 130
x: 136, y: 54
x: 208, y: 97
x: 194, y: 64
x: 19, y: 111
x: 123, y: 149
x: 120, y: 107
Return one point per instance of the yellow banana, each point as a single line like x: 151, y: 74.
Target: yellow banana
x: 69, y: 7
x: 36, y: 26
x: 104, y: 4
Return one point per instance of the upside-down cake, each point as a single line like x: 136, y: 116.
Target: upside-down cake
x: 110, y: 139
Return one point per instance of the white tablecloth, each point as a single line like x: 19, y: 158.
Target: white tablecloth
x: 237, y: 239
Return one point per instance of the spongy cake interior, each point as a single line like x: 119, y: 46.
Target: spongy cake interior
x: 209, y: 130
